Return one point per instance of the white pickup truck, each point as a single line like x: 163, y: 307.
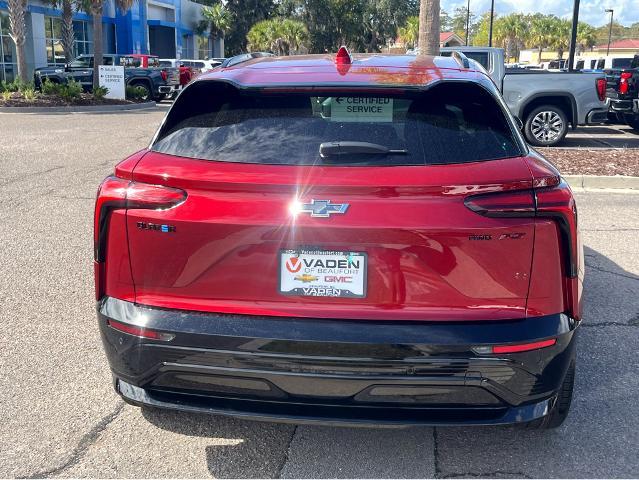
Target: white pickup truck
x: 547, y: 103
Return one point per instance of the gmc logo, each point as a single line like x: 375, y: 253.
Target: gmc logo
x: 338, y: 279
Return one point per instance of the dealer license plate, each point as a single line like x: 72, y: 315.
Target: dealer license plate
x: 320, y: 273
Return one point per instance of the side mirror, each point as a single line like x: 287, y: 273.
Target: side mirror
x: 520, y: 124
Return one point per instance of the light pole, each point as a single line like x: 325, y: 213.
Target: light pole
x: 573, y: 36
x: 490, y: 28
x: 467, y: 21
x: 611, y: 12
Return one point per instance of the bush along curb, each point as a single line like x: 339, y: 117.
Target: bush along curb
x: 80, y: 108
x: 601, y: 181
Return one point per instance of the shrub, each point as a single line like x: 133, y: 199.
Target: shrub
x: 6, y: 95
x: 29, y: 93
x: 135, y: 93
x: 70, y: 91
x: 100, y: 92
x: 50, y: 88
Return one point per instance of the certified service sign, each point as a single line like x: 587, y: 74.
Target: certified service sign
x: 112, y: 77
x: 321, y: 273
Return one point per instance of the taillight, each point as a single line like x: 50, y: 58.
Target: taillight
x: 516, y: 348
x: 601, y: 88
x: 140, y: 331
x: 115, y: 193
x: 164, y: 75
x: 549, y: 198
x: 624, y: 84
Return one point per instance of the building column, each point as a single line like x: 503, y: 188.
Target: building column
x: 35, y: 46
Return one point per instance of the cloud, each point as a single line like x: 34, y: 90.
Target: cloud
x: 591, y: 11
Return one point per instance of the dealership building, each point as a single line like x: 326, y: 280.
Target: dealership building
x: 161, y: 27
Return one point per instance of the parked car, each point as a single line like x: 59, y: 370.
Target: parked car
x: 623, y: 92
x: 546, y: 102
x: 342, y: 240
x: 140, y: 71
x: 203, y: 65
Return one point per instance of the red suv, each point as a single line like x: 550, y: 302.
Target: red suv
x: 344, y: 240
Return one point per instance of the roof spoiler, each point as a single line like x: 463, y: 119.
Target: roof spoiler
x: 461, y: 59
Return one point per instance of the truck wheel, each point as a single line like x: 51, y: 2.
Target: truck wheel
x: 546, y: 126
x: 147, y: 91
x: 560, y: 410
x: 633, y: 121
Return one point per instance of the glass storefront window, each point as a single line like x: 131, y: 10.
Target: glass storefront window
x: 83, y: 33
x: 203, y: 47
x: 8, y: 67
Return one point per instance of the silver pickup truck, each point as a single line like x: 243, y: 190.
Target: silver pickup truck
x: 547, y: 103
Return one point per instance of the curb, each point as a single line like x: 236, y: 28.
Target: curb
x: 80, y: 108
x: 601, y: 181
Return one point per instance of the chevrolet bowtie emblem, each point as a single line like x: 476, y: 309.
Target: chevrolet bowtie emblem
x: 323, y: 208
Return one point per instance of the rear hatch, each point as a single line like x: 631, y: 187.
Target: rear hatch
x: 287, y: 214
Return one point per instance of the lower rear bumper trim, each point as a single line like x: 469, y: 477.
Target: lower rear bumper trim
x: 335, y: 415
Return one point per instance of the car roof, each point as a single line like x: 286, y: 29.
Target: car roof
x: 364, y: 69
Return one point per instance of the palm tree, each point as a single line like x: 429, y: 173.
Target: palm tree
x: 561, y: 35
x: 17, y: 30
x: 429, y: 30
x: 409, y: 33
x: 510, y: 30
x: 95, y: 7
x: 68, y: 37
x: 541, y: 32
x: 295, y: 34
x: 217, y: 20
x: 281, y: 36
x: 586, y: 37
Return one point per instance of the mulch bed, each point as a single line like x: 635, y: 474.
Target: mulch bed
x: 85, y: 99
x: 594, y: 161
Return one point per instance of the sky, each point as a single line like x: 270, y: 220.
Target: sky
x: 591, y: 11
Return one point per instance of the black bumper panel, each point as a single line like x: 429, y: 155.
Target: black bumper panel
x: 336, y: 371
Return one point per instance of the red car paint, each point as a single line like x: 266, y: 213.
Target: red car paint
x: 430, y: 257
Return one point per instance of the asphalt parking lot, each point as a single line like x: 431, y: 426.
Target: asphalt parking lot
x: 60, y: 416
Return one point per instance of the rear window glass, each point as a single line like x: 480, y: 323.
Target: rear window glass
x: 621, y: 62
x: 450, y: 123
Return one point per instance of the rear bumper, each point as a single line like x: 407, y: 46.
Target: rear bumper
x: 335, y: 371
x: 624, y: 106
x: 598, y: 116
x: 168, y: 89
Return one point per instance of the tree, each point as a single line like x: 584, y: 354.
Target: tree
x: 244, y: 14
x: 95, y: 7
x: 541, y: 32
x: 429, y: 29
x: 586, y: 37
x: 409, y: 33
x: 217, y: 21
x: 17, y: 30
x: 67, y: 34
x: 458, y: 23
x: 445, y: 21
x: 280, y: 36
x: 510, y: 31
x: 560, y: 40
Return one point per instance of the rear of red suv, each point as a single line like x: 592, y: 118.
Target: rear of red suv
x: 358, y: 240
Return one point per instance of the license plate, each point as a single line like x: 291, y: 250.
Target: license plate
x: 320, y: 273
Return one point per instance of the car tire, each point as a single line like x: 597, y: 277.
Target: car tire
x: 561, y: 407
x: 546, y: 126
x: 633, y: 122
x: 148, y: 95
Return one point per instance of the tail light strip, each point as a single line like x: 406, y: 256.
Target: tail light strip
x: 552, y: 199
x: 116, y: 193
